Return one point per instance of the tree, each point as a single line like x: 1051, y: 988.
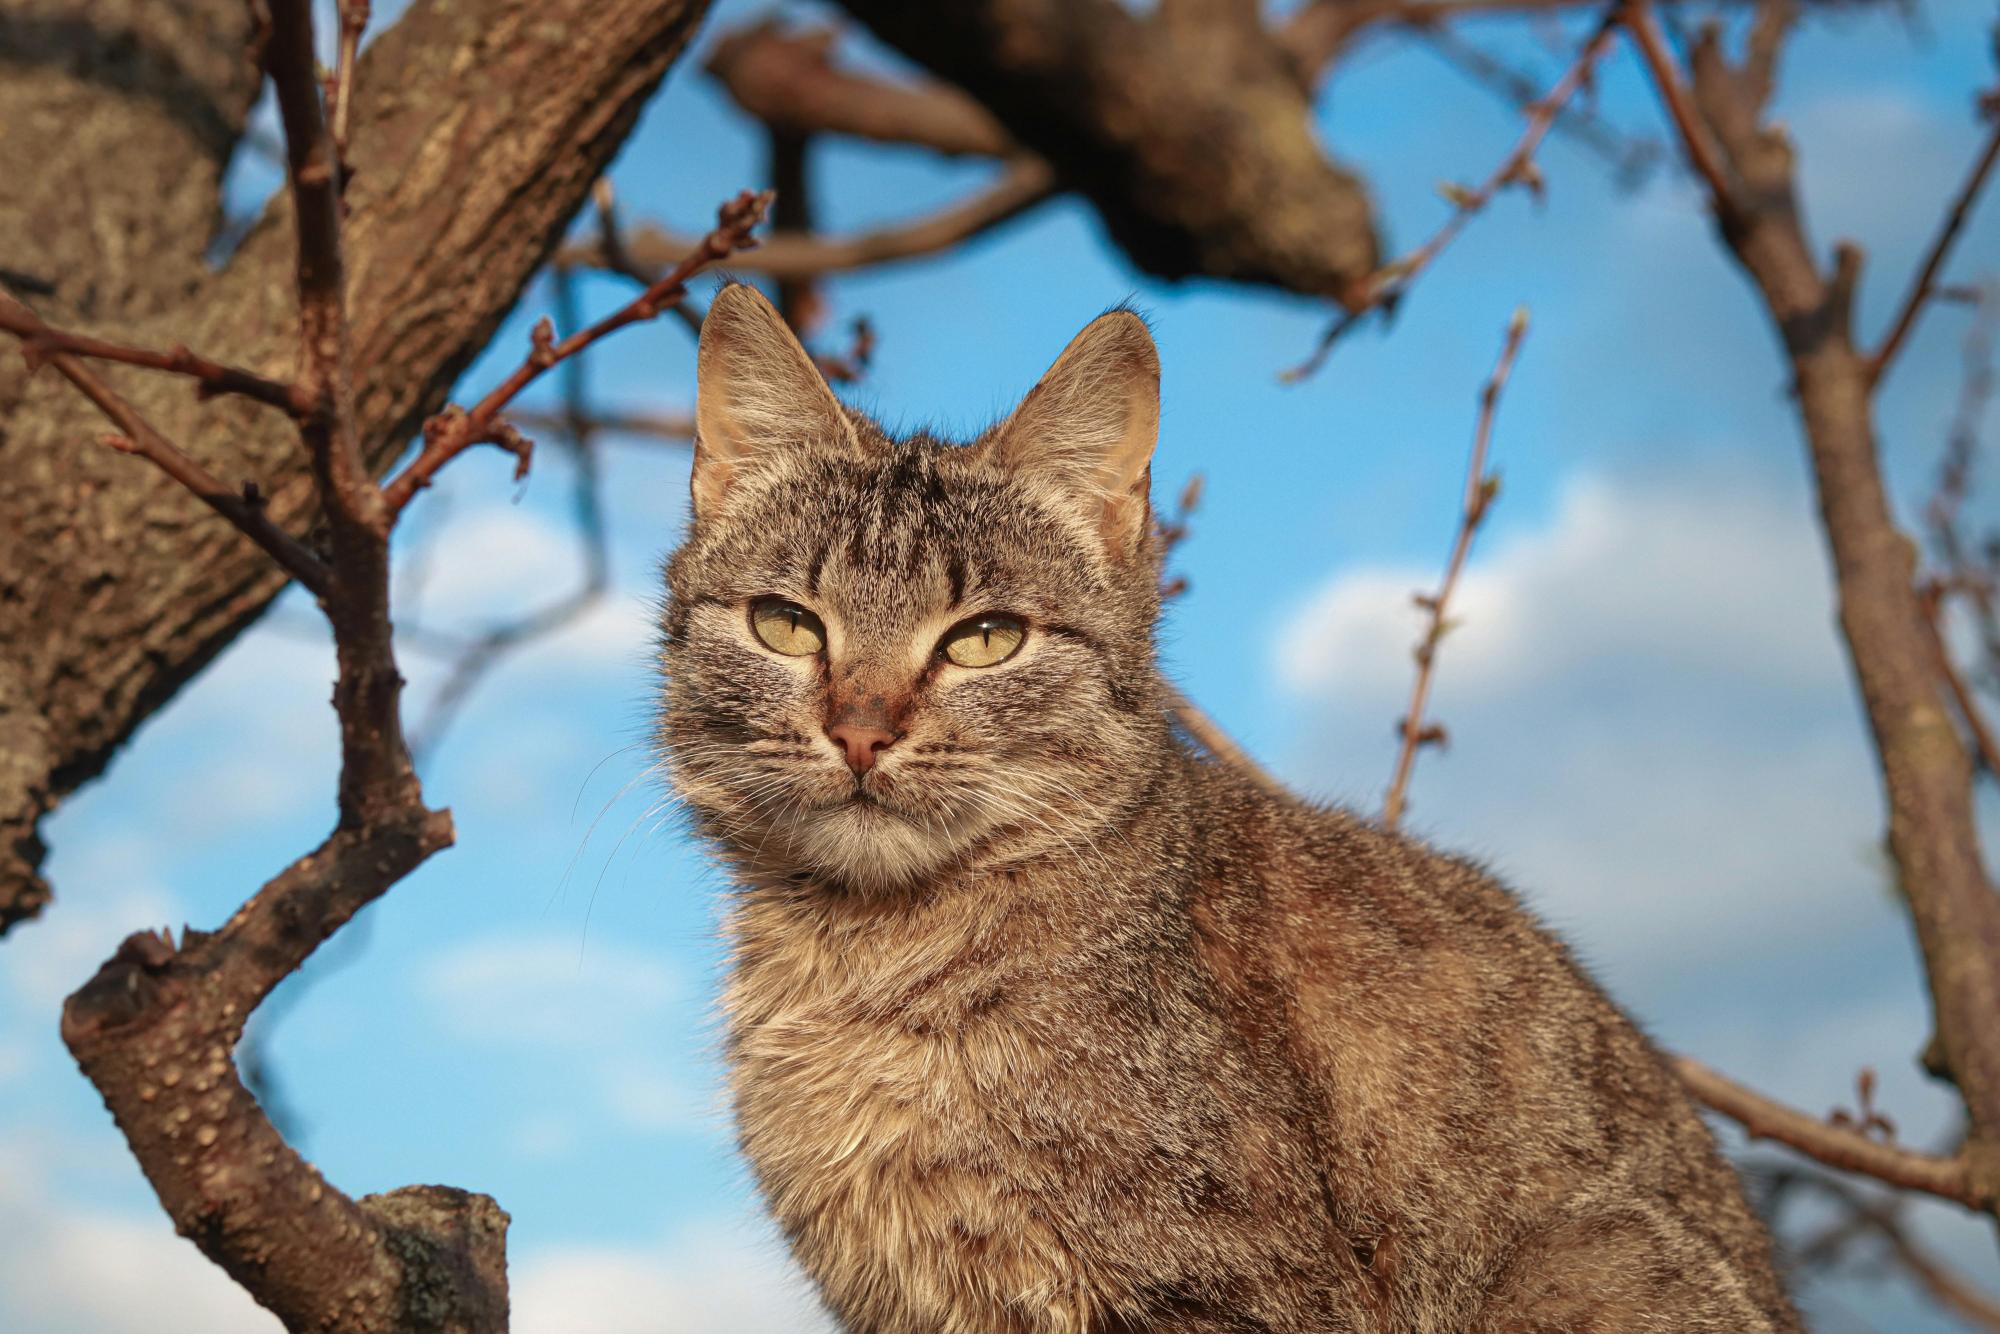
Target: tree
x: 420, y: 204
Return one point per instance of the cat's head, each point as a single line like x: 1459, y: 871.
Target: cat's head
x: 887, y: 656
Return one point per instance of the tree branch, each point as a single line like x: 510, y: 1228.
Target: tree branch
x: 244, y: 508
x: 1191, y: 133
x: 1481, y: 488
x: 1221, y: 745
x: 788, y: 81
x: 797, y: 255
x: 458, y: 198
x: 731, y: 234
x: 212, y: 378
x: 1927, y: 774
x: 1849, y: 1150
x: 1924, y: 285
x: 1386, y: 286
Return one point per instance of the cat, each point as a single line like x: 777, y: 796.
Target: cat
x: 1038, y: 1020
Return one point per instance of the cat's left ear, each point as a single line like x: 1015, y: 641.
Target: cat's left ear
x: 757, y: 395
x: 1091, y: 424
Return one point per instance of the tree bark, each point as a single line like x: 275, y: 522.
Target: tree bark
x: 1748, y: 166
x: 1190, y: 129
x: 478, y: 129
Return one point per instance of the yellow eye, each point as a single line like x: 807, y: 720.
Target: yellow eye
x: 983, y: 641
x: 786, y: 627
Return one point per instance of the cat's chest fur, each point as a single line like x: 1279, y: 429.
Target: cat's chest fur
x: 902, y: 1092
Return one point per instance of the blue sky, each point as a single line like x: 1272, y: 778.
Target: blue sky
x: 1654, y: 731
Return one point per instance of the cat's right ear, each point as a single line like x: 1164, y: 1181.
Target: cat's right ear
x: 757, y: 393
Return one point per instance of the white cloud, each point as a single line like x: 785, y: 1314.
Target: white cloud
x: 657, y: 1101
x: 68, y: 1269
x: 544, y: 1137
x: 1653, y: 735
x: 495, y: 561
x: 721, y: 1276
x: 1845, y: 139
x: 513, y: 989
x: 1720, y: 578
x: 598, y: 1011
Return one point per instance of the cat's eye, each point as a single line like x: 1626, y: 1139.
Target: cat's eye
x: 983, y: 641
x: 786, y: 627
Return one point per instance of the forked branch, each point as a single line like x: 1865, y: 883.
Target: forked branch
x: 1386, y: 286
x: 156, y: 1029
x: 455, y: 432
x: 1851, y: 1150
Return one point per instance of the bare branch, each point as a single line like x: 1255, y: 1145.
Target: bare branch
x: 1026, y: 183
x: 1927, y: 775
x: 1863, y: 1214
x: 212, y: 378
x: 474, y: 659
x: 658, y: 426
x: 340, y: 89
x: 1193, y: 137
x: 788, y: 81
x: 1629, y: 157
x: 243, y: 508
x: 734, y: 222
x: 1386, y: 286
x: 1836, y: 1146
x: 1924, y: 285
x: 1644, y: 26
x: 1481, y: 488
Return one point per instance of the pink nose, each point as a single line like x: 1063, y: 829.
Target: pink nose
x: 861, y: 743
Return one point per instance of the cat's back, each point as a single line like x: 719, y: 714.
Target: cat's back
x: 1475, y: 1086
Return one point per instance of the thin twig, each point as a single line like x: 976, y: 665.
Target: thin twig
x: 1960, y: 576
x: 1924, y: 285
x: 341, y: 87
x: 1644, y: 27
x: 244, y: 508
x: 474, y: 659
x: 797, y: 256
x: 212, y: 378
x: 1386, y: 286
x: 1862, y: 1214
x: 1174, y: 531
x: 617, y: 257
x: 1631, y: 157
x: 1836, y: 1146
x: 734, y: 222
x: 1480, y: 490
x: 1985, y: 746
x: 676, y: 429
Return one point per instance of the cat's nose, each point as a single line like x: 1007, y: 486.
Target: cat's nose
x: 861, y: 743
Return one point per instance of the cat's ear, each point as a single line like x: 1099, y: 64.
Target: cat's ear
x: 1091, y: 423
x: 757, y: 392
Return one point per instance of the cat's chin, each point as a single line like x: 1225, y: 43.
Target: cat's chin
x: 867, y: 846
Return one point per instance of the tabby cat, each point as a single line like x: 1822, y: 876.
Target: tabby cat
x: 1038, y: 1020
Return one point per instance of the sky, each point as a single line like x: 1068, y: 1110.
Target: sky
x: 1654, y: 732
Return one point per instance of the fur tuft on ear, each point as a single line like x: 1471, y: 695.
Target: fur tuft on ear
x: 756, y: 392
x: 1091, y: 423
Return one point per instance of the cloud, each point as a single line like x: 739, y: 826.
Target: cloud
x: 68, y: 1269
x: 597, y: 1013
x: 1652, y: 731
x: 515, y: 989
x: 1726, y: 579
x: 491, y: 562
x: 725, y: 1275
